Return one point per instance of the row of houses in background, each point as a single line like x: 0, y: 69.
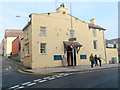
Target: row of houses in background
x: 48, y: 37
x: 113, y: 46
x: 10, y: 45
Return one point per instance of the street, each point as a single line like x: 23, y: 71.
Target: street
x: 12, y: 79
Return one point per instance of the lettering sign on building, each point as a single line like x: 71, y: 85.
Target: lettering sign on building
x: 72, y: 39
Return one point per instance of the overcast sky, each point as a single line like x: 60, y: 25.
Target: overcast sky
x: 106, y: 14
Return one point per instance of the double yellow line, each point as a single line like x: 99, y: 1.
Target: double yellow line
x: 21, y: 71
x: 99, y: 70
x: 37, y: 73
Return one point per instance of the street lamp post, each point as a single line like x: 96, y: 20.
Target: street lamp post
x: 72, y: 36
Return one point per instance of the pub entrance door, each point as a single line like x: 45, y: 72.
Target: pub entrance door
x: 70, y: 57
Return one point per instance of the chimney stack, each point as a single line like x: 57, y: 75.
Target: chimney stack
x: 93, y: 21
x: 62, y: 9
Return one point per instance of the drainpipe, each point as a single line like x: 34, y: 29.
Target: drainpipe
x: 104, y: 47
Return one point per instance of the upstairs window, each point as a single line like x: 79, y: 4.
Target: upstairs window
x: 42, y: 31
x: 43, y: 48
x: 95, y: 44
x: 94, y: 33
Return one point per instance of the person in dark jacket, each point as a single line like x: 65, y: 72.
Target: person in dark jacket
x: 92, y: 60
x: 95, y: 58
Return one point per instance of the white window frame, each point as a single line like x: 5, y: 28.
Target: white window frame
x: 95, y: 43
x: 94, y: 32
x: 27, y: 51
x: 42, y: 48
x: 42, y: 31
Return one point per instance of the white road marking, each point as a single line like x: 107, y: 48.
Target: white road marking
x: 42, y: 81
x: 54, y: 75
x: 58, y: 76
x: 46, y: 78
x: 20, y: 87
x: 26, y: 83
x: 51, y: 78
x: 9, y: 67
x: 37, y: 80
x: 31, y: 84
x: 14, y: 86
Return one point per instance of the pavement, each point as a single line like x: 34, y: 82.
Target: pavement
x: 62, y: 69
x: 71, y: 69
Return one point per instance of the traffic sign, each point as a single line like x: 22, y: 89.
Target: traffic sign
x: 72, y: 45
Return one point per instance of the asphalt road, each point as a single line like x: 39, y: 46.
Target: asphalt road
x: 96, y: 79
x: 13, y: 79
x: 11, y: 76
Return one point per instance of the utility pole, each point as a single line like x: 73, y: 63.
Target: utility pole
x: 56, y: 5
x: 72, y: 33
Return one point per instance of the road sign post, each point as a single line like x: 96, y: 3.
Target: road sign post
x: 73, y: 46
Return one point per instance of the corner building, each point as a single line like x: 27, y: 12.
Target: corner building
x: 48, y: 36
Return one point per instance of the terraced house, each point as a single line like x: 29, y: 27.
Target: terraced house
x: 48, y: 36
x: 10, y: 36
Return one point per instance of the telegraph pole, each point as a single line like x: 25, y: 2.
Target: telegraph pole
x: 73, y: 34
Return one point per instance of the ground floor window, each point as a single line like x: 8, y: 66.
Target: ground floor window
x: 43, y: 48
x: 27, y: 49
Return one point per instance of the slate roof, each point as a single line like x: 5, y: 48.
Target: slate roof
x: 13, y: 33
x: 117, y: 40
x: 95, y: 26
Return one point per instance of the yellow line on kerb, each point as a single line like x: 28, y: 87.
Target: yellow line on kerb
x: 66, y: 72
x: 37, y: 73
x: 99, y: 70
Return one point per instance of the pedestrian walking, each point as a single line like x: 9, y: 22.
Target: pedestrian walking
x: 99, y: 59
x: 64, y: 60
x: 92, y: 60
x: 95, y: 59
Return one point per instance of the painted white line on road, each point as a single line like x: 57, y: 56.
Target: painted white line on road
x: 54, y: 75
x: 46, y: 78
x: 37, y: 80
x: 51, y: 78
x: 26, y: 83
x: 14, y: 86
x: 7, y: 68
x: 20, y: 87
x: 58, y: 76
x: 31, y: 84
x: 42, y: 81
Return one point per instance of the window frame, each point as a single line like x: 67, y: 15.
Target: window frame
x: 94, y: 32
x: 42, y: 30
x: 40, y: 50
x: 27, y: 51
x: 95, y: 43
